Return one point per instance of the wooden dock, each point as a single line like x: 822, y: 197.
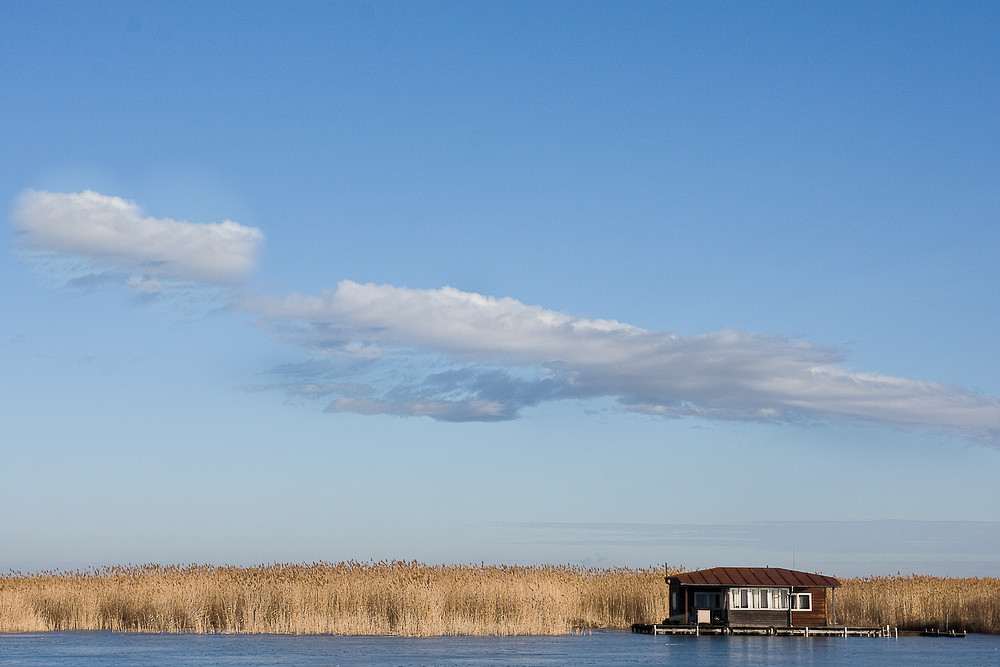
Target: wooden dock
x: 935, y: 632
x: 698, y: 630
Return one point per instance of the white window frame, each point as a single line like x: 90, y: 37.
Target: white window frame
x: 798, y: 598
x: 759, y: 599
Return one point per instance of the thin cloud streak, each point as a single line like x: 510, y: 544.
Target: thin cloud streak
x: 841, y: 548
x: 978, y: 538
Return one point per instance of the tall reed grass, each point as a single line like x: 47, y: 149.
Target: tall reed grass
x: 410, y: 598
x: 916, y: 602
x: 385, y: 598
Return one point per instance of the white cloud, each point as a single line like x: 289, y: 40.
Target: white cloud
x: 461, y: 356
x: 457, y: 322
x: 113, y: 231
x: 500, y: 355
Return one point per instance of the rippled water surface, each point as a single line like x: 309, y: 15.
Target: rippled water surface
x: 105, y: 649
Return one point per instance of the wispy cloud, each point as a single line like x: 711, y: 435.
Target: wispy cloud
x: 461, y: 356
x: 111, y: 231
x: 502, y: 355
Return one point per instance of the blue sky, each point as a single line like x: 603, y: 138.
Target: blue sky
x: 601, y: 283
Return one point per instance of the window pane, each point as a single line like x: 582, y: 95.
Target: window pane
x: 705, y: 600
x: 802, y: 601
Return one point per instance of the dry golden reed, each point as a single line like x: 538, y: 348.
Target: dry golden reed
x: 410, y: 598
x: 385, y: 598
x: 917, y: 602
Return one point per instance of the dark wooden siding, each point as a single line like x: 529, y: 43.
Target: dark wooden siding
x: 759, y: 617
x: 779, y: 618
x: 815, y: 617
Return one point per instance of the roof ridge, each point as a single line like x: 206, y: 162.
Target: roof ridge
x: 756, y: 576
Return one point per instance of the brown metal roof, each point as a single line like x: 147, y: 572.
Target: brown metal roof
x: 754, y: 576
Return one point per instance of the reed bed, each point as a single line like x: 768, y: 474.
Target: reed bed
x: 384, y: 598
x: 916, y: 602
x: 414, y: 599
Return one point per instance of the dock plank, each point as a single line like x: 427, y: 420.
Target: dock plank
x: 722, y: 630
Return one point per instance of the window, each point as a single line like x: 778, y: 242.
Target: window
x: 758, y: 598
x: 768, y: 598
x: 704, y: 600
x: 802, y: 602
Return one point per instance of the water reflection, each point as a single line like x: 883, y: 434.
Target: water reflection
x: 105, y: 649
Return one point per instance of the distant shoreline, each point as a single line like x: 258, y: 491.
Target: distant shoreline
x: 416, y: 599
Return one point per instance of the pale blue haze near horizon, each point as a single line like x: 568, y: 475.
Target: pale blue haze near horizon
x: 612, y: 284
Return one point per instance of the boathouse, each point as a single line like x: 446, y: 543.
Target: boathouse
x: 752, y: 597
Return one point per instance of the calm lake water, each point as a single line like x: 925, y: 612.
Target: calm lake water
x: 105, y: 649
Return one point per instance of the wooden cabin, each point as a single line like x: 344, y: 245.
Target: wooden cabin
x: 752, y: 596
